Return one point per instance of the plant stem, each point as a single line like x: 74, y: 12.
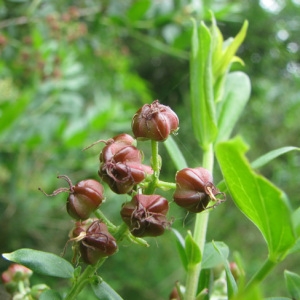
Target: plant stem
x: 156, y: 164
x: 166, y: 185
x: 81, y: 282
x: 99, y: 214
x: 261, y: 273
x: 199, y: 234
x: 155, y: 158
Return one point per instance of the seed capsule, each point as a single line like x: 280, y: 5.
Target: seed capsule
x: 155, y: 122
x: 195, y: 189
x: 84, y: 198
x: 121, y: 164
x: 93, y: 240
x: 145, y: 215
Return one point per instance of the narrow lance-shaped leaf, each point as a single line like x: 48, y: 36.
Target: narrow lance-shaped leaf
x: 175, y: 153
x: 193, y: 252
x: 262, y: 202
x: 236, y: 96
x: 202, y: 99
x: 266, y: 158
x: 180, y: 243
x: 222, y: 63
x: 41, y: 262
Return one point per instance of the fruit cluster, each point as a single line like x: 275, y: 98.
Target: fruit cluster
x: 122, y: 169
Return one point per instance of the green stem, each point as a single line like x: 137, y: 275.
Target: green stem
x: 166, y: 185
x: 156, y: 164
x: 199, y: 235
x: 81, y: 282
x: 261, y: 273
x: 99, y: 214
x: 155, y: 158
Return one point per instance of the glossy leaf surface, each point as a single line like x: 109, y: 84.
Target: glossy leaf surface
x: 41, y: 262
x: 262, y: 202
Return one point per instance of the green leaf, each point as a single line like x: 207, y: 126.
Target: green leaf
x: 104, y: 291
x: 266, y: 158
x: 296, y: 221
x: 236, y: 96
x: 292, y: 281
x: 222, y: 63
x: 12, y: 111
x: 175, y: 153
x: 295, y: 248
x: 211, y: 257
x: 138, y: 9
x: 231, y: 284
x: 180, y: 243
x: 252, y: 293
x: 41, y: 262
x: 202, y: 99
x: 193, y: 252
x: 277, y: 298
x: 262, y: 202
x: 50, y: 295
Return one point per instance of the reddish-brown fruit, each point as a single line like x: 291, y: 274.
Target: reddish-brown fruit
x: 97, y: 243
x: 121, y: 164
x: 155, y: 122
x: 145, y: 215
x: 84, y: 198
x: 195, y: 189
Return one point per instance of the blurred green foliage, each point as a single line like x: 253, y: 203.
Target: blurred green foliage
x: 73, y: 72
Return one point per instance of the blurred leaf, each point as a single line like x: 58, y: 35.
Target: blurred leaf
x: 202, y: 100
x: 262, y: 202
x: 277, y: 298
x: 105, y: 292
x: 50, y: 295
x: 175, y: 153
x: 266, y: 158
x: 253, y: 293
x: 237, y: 93
x: 292, y: 281
x: 180, y: 243
x: 205, y: 282
x: 11, y: 111
x: 41, y: 262
x: 231, y: 284
x: 138, y: 9
x: 193, y: 252
x: 296, y: 221
x: 295, y: 248
x: 211, y: 256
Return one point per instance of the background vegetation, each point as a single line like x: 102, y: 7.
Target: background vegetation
x: 72, y: 72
